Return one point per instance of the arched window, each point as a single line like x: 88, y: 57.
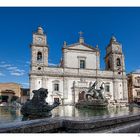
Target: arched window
x: 39, y: 56
x: 118, y: 62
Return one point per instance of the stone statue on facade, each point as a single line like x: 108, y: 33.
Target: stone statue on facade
x: 37, y: 107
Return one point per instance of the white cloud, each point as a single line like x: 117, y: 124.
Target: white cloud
x: 52, y: 64
x: 137, y: 70
x: 27, y: 62
x: 19, y: 70
x: 1, y: 74
x: 3, y: 62
x: 17, y: 73
x: 5, y: 65
x: 11, y: 68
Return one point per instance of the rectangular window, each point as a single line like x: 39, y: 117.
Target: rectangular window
x: 138, y: 80
x: 138, y: 93
x: 107, y: 88
x: 56, y: 87
x: 82, y: 64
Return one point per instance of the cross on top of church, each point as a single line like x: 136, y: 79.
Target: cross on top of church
x: 81, y: 39
x: 81, y: 34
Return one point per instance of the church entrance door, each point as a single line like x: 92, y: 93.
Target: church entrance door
x: 81, y: 96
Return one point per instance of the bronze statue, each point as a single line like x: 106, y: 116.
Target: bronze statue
x: 37, y: 107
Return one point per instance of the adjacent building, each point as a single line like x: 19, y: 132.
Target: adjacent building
x: 79, y: 68
x: 13, y: 91
x: 134, y: 87
x: 9, y: 90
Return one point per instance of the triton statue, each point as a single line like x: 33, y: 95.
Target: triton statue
x: 37, y: 107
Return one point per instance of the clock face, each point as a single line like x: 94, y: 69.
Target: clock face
x: 39, y: 40
x: 117, y: 48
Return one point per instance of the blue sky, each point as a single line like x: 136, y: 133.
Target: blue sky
x: 63, y: 24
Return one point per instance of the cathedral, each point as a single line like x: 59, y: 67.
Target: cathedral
x: 79, y: 68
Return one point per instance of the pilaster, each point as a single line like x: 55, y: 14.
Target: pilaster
x: 65, y: 87
x: 32, y: 86
x: 125, y: 90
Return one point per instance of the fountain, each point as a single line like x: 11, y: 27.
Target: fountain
x: 81, y: 120
x: 94, y: 98
x: 37, y: 107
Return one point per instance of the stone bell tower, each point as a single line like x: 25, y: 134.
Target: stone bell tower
x: 39, y: 60
x: 114, y: 58
x: 39, y: 50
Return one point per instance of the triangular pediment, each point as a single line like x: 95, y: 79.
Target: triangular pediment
x: 82, y: 46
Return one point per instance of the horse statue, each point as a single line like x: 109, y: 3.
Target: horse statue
x: 97, y: 99
x: 95, y: 93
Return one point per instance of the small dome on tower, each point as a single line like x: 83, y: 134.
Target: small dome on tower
x: 113, y: 39
x: 39, y: 30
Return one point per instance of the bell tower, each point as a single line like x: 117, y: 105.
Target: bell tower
x: 114, y: 58
x: 39, y: 50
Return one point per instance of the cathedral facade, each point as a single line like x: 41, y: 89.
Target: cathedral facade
x: 78, y: 70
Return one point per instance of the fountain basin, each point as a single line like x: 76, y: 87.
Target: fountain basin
x: 92, y: 105
x: 121, y: 124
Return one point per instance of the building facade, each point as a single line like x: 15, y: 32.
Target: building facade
x: 134, y: 87
x: 78, y: 70
x: 13, y: 91
x: 9, y: 90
